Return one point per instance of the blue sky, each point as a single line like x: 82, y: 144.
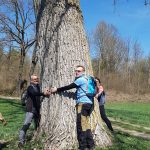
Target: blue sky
x: 130, y: 17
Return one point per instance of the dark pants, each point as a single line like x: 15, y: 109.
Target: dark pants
x: 84, y: 134
x: 104, y: 117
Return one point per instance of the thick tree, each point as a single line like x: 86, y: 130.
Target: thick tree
x: 62, y: 45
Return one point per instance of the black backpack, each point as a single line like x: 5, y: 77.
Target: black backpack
x: 24, y: 97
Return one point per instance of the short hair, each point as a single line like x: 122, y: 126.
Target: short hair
x: 33, y: 75
x: 81, y: 67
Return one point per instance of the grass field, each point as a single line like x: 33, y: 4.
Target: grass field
x: 137, y: 114
x: 134, y: 113
x: 14, y: 115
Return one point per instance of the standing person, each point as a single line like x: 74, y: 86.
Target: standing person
x: 32, y: 107
x: 84, y: 106
x: 101, y: 99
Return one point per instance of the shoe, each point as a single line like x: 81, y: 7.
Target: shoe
x: 20, y: 145
x: 111, y: 129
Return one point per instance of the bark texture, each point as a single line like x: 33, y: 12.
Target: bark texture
x: 62, y: 45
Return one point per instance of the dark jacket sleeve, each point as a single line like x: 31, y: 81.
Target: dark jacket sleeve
x: 34, y: 92
x: 68, y: 87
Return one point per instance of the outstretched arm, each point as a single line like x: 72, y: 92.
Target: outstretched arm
x: 64, y: 88
x: 34, y: 92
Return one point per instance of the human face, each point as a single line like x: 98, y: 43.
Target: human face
x: 97, y: 82
x: 34, y: 79
x: 79, y: 71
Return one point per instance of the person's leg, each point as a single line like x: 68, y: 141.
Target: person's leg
x: 78, y: 125
x: 36, y: 121
x: 104, y: 117
x: 27, y: 122
x: 86, y: 112
x: 80, y: 133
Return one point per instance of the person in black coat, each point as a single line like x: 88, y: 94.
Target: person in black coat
x: 33, y: 105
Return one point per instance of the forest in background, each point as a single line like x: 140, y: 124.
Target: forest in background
x: 119, y: 63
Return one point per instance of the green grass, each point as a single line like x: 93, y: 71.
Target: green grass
x: 135, y: 113
x: 14, y: 115
x: 131, y: 127
x: 124, y: 141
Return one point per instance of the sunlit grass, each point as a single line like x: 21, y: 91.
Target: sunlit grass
x: 14, y: 114
x: 124, y: 141
x: 129, y: 112
x: 136, y: 113
x: 131, y: 127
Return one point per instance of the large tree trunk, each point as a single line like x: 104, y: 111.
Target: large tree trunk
x: 62, y: 45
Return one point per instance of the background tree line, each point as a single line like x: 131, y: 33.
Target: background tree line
x: 118, y: 62
x: 9, y: 69
x: 17, y: 30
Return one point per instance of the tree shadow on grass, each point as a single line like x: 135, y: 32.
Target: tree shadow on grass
x: 11, y: 109
x: 13, y: 105
x: 12, y: 102
x: 122, y: 114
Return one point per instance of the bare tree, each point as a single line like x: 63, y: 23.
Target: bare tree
x: 148, y: 61
x: 17, y: 26
x: 62, y: 45
x: 110, y: 50
x: 137, y: 55
x: 37, y: 5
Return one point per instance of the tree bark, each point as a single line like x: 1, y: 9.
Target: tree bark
x: 62, y: 45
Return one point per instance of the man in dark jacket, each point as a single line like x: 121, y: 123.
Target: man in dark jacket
x: 32, y: 107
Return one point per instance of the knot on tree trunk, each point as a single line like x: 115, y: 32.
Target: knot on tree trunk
x: 74, y: 3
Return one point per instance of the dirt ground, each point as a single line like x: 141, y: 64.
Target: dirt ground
x: 113, y: 96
